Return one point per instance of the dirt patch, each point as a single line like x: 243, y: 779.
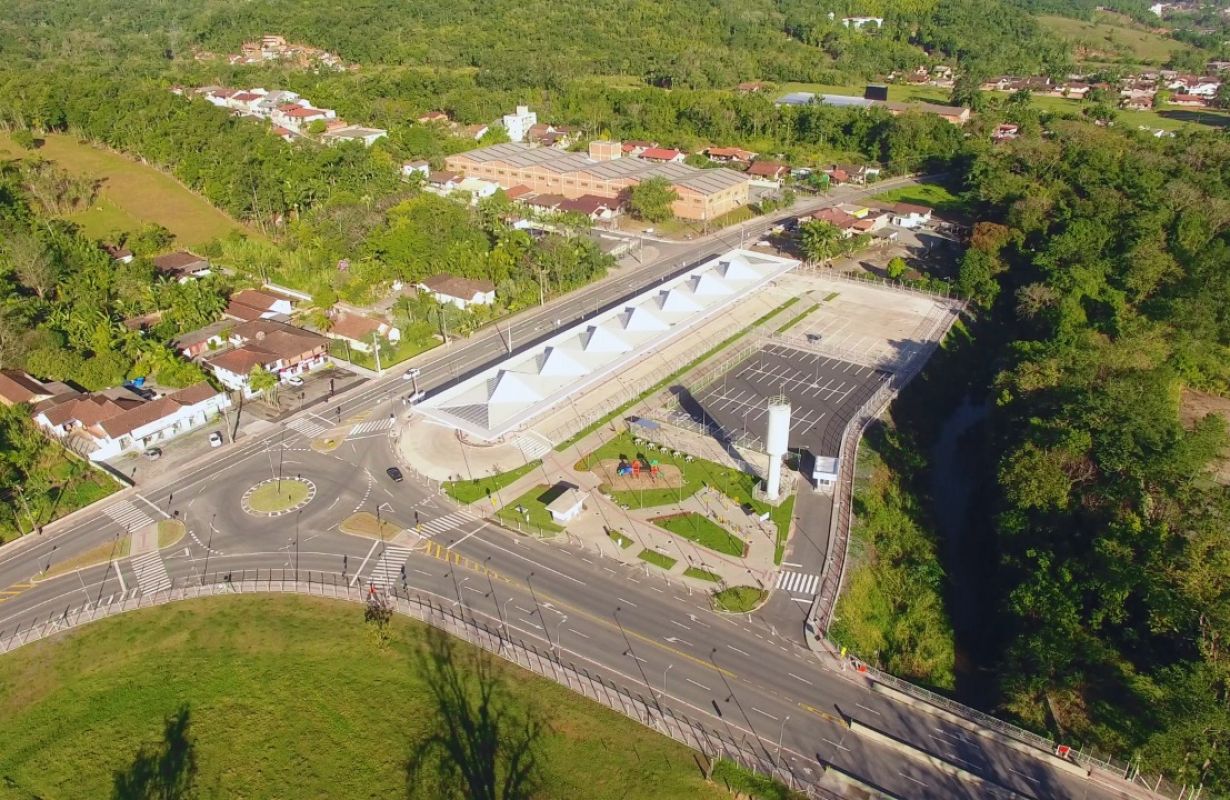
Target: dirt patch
x: 668, y: 477
x: 1195, y: 406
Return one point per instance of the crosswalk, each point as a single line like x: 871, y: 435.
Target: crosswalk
x: 151, y: 572
x: 797, y: 582
x: 307, y: 426
x: 373, y: 426
x: 447, y: 522
x: 388, y: 567
x: 532, y: 446
x: 129, y: 515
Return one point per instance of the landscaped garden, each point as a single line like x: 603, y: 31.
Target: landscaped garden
x: 657, y: 559
x: 704, y: 531
x: 530, y: 510
x: 467, y: 491
x: 739, y: 599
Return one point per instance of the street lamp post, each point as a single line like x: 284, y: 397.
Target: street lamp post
x: 504, y: 617
x: 665, y: 672
x: 780, y: 734
x: 559, y: 648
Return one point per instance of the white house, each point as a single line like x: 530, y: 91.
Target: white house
x: 568, y: 505
x: 908, y: 215
x: 461, y: 292
x: 411, y: 168
x: 477, y: 188
x: 282, y: 349
x: 518, y: 124
x: 354, y: 133
x: 251, y: 304
x: 863, y: 22
x: 359, y: 331
x: 108, y: 426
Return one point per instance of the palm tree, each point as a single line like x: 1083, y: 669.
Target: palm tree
x: 821, y: 240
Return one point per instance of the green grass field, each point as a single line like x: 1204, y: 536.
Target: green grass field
x: 535, y: 504
x: 704, y: 531
x: 657, y: 559
x: 738, y: 599
x: 289, y: 697
x: 469, y: 491
x: 932, y: 195
x: 1114, y: 35
x: 132, y: 196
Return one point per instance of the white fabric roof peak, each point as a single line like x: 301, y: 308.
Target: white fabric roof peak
x: 601, y: 339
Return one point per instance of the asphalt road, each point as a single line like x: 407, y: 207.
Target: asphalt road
x: 737, y: 674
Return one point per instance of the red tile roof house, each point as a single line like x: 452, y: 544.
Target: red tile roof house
x: 181, y: 266
x: 279, y: 348
x: 359, y: 331
x: 768, y: 172
x: 18, y: 387
x: 591, y: 205
x: 726, y: 155
x: 251, y: 304
x: 664, y: 155
x: 633, y: 147
x: 194, y: 344
x: 461, y: 292
x: 834, y: 216
x: 108, y: 426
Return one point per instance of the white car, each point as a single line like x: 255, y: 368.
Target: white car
x: 295, y: 380
x: 411, y: 374
x: 215, y: 439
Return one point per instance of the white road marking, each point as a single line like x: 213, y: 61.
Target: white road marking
x: 578, y: 633
x: 908, y: 778
x: 701, y: 685
x: 766, y: 713
x: 364, y: 564
x: 680, y: 624
x: 120, y: 575
x: 737, y: 650
x: 872, y: 710
x: 625, y: 602
x: 797, y: 678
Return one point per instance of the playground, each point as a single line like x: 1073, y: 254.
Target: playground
x: 629, y: 475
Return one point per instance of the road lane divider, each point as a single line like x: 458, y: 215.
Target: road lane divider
x: 987, y: 787
x: 849, y: 779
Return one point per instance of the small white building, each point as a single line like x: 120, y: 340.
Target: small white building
x: 567, y: 506
x: 411, y: 168
x: 518, y: 124
x: 354, y: 133
x: 461, y: 292
x: 908, y: 215
x: 863, y: 22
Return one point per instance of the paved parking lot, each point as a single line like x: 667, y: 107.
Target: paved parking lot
x: 824, y: 393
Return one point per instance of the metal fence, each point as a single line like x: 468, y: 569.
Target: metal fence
x: 756, y: 754
x: 815, y: 268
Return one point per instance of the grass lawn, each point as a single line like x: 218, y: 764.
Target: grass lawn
x: 1116, y: 35
x: 620, y: 539
x: 739, y: 599
x: 657, y: 559
x: 781, y: 518
x: 535, y: 504
x: 389, y: 356
x: 477, y: 489
x: 704, y: 531
x: 365, y: 524
x: 107, y: 551
x: 271, y: 497
x: 797, y: 318
x: 933, y: 195
x: 290, y: 697
x: 701, y: 574
x: 170, y: 531
x: 132, y: 195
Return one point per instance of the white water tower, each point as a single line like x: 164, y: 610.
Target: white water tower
x: 777, y: 443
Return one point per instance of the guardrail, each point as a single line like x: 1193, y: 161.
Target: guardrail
x: 758, y: 755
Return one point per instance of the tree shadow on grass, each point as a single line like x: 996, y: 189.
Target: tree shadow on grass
x: 478, y: 744
x: 165, y: 771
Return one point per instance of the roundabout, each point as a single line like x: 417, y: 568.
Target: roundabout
x: 274, y: 497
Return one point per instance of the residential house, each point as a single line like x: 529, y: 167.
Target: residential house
x: 443, y: 182
x: 591, y: 205
x: 181, y: 266
x: 1075, y: 90
x: 359, y: 331
x: 634, y: 147
x: 909, y: 215
x: 154, y: 422
x: 298, y: 117
x: 17, y: 387
x: 476, y: 131
x: 1137, y: 103
x: 411, y: 168
x: 519, y: 123
x: 770, y: 173
x: 837, y: 218
x: 863, y: 22
x: 750, y: 87
x: 544, y: 202
x: 856, y: 210
x: 874, y: 220
x: 662, y: 155
x: 837, y: 176
x: 856, y: 173
x: 272, y: 102
x: 543, y: 135
x: 251, y: 304
x: 436, y: 117
x: 461, y: 292
x: 353, y: 133
x: 477, y: 188
x: 1188, y: 100
x: 282, y: 349
x: 194, y: 344
x: 285, y: 134
x: 730, y: 155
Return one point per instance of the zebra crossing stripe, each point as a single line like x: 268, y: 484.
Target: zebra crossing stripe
x: 447, y: 522
x: 797, y: 582
x: 373, y: 426
x: 307, y: 427
x: 532, y: 446
x: 151, y: 572
x: 388, y: 567
x: 128, y: 515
